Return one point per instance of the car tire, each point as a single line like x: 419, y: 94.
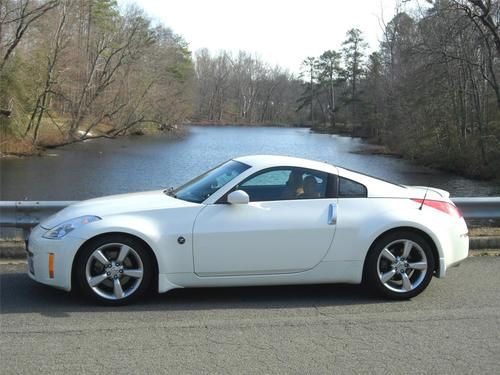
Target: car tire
x: 399, y: 265
x: 114, y: 269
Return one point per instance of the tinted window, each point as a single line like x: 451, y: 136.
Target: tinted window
x: 286, y: 183
x: 351, y: 189
x: 201, y: 187
x: 278, y: 177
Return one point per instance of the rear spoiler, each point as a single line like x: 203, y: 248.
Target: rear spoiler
x: 441, y: 192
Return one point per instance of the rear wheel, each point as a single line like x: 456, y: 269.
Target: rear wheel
x: 400, y: 265
x: 114, y: 269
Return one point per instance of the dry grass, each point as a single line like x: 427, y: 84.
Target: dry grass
x: 12, y: 143
x: 14, y: 146
x: 51, y: 137
x: 484, y: 253
x: 484, y: 232
x: 50, y: 134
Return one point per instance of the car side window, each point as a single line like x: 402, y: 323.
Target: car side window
x: 287, y: 183
x: 351, y: 189
x: 277, y: 177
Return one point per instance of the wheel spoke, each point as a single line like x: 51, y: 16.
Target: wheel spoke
x: 387, y: 276
x: 418, y: 266
x: 136, y: 274
x: 96, y: 280
x: 108, y: 264
x: 117, y: 288
x: 388, y: 255
x: 407, y: 249
x: 101, y: 257
x: 406, y: 282
x: 124, y: 249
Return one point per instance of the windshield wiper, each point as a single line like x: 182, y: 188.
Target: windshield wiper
x: 170, y: 192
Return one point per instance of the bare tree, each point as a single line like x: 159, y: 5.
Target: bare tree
x: 58, y: 44
x: 243, y: 89
x: 19, y: 15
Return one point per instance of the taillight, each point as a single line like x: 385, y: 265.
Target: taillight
x: 445, y: 207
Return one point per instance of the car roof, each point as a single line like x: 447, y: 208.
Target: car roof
x: 269, y: 161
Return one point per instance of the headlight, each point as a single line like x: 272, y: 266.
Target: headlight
x: 63, y: 229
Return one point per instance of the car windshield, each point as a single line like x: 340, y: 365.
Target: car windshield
x: 203, y: 186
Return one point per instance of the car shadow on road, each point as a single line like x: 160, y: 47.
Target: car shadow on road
x: 19, y: 294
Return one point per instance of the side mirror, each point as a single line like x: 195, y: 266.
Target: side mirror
x: 238, y: 197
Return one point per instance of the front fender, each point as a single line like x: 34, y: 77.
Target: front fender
x: 159, y: 231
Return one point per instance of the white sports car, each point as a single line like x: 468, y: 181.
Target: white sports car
x: 253, y: 220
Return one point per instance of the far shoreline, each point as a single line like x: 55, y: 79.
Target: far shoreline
x: 370, y: 146
x: 244, y: 124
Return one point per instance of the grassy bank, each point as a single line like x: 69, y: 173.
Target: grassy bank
x: 14, y: 144
x: 247, y: 124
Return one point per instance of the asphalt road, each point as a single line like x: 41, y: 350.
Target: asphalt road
x: 453, y: 327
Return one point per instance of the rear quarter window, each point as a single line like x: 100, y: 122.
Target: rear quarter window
x: 351, y: 189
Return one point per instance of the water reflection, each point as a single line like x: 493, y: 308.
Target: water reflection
x: 129, y: 164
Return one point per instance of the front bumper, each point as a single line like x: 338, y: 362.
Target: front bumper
x: 64, y: 250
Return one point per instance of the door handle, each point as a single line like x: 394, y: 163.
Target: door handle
x: 332, y: 214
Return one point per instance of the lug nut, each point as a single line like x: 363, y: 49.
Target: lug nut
x: 121, y: 271
x: 116, y: 277
x: 108, y: 273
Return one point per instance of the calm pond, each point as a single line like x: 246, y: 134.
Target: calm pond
x: 128, y: 164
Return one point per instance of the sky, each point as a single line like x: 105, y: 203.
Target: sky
x: 280, y: 32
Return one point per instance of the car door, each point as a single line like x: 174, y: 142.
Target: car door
x: 288, y: 225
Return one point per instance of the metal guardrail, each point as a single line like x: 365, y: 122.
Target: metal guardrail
x: 27, y: 214
x: 479, y: 208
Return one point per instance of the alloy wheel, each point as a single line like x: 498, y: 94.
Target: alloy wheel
x: 114, y: 271
x: 402, y: 266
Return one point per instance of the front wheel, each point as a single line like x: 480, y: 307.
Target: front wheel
x: 400, y: 265
x: 114, y: 269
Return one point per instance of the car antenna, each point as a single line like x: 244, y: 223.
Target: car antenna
x: 423, y: 200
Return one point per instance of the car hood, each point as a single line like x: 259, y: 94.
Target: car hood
x: 116, y: 204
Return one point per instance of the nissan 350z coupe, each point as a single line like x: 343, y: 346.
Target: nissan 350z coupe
x: 253, y: 220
